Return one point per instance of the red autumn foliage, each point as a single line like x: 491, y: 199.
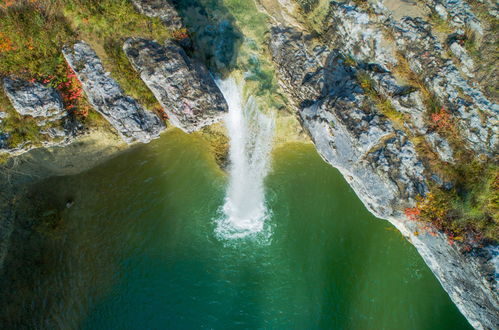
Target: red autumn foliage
x: 162, y: 114
x: 180, y: 34
x: 5, y: 43
x: 9, y: 3
x: 70, y: 89
x: 412, y: 213
x: 442, y: 119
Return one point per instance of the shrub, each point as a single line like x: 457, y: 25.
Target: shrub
x: 467, y: 212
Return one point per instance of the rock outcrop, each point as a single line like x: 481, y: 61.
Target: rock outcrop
x: 56, y: 127
x: 362, y: 121
x: 34, y: 99
x: 131, y: 121
x: 378, y: 160
x: 457, y: 12
x: 478, y: 117
x: 162, y: 9
x: 379, y: 38
x: 183, y: 87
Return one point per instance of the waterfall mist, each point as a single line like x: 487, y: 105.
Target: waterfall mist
x: 250, y: 133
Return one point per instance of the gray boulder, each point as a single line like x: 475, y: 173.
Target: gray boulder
x: 34, y: 99
x: 162, y: 9
x: 124, y: 113
x: 184, y: 87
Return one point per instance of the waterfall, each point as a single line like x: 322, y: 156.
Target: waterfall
x: 250, y: 132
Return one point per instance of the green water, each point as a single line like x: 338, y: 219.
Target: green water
x: 137, y: 250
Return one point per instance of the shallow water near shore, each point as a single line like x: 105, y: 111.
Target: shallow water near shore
x: 138, y: 250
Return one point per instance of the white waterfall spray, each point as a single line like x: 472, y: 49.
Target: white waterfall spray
x: 250, y: 133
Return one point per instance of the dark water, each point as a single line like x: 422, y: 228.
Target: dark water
x: 137, y: 250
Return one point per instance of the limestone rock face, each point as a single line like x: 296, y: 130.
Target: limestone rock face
x: 125, y: 114
x: 377, y: 159
x: 34, y: 99
x: 44, y: 104
x: 376, y: 37
x: 458, y: 12
x: 478, y: 117
x: 184, y: 87
x: 3, y: 136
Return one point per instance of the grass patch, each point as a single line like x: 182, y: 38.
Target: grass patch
x: 469, y: 212
x: 122, y: 70
x: 36, y: 33
x: 103, y: 19
x: 21, y: 130
x: 439, y: 24
x: 32, y: 34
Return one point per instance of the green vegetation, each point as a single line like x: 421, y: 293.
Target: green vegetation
x: 469, y: 211
x: 32, y: 35
x: 307, y: 5
x: 31, y: 38
x: 439, y: 24
x: 105, y: 24
x: 21, y: 130
x: 125, y: 74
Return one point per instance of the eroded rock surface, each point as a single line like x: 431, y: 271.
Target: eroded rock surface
x: 457, y: 12
x: 183, y: 87
x: 478, y: 117
x: 124, y: 113
x: 379, y: 161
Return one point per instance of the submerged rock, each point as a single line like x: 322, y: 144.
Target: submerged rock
x: 184, y: 87
x: 124, y: 113
x: 34, y: 99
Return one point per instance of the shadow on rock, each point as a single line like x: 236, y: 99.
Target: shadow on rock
x: 216, y: 39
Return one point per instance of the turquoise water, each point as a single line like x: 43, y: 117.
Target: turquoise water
x: 137, y: 250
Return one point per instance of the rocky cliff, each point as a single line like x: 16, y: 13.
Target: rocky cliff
x: 365, y: 79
